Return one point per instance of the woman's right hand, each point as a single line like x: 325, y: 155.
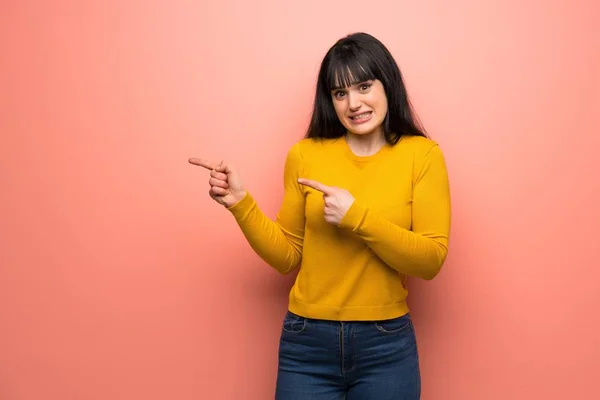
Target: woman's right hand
x: 226, y: 186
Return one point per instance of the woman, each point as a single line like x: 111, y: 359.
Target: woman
x: 366, y: 205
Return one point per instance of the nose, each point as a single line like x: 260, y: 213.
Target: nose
x: 354, y: 101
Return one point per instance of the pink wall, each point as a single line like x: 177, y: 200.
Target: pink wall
x: 121, y: 279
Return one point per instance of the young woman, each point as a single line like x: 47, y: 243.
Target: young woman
x: 366, y: 205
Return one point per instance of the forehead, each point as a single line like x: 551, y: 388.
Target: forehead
x: 349, y: 74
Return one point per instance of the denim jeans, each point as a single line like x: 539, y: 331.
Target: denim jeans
x: 332, y: 360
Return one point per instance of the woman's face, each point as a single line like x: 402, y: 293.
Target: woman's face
x: 362, y: 107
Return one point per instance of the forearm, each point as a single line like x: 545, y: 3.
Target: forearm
x: 278, y: 247
x: 415, y: 254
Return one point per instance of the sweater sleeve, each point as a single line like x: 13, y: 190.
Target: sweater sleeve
x: 421, y: 251
x: 279, y: 243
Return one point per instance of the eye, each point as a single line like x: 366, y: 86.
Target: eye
x: 339, y: 94
x: 364, y: 86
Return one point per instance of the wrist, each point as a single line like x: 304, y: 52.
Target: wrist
x: 236, y: 199
x: 354, y: 217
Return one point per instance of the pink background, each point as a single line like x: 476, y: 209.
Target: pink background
x: 121, y: 279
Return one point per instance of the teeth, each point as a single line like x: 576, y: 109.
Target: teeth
x: 361, y: 116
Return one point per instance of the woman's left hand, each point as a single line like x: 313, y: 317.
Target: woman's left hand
x: 337, y: 200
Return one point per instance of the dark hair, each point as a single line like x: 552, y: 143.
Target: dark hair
x: 353, y: 59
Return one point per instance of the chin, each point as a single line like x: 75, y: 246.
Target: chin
x: 364, y: 130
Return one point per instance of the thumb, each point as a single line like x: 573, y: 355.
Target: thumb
x: 225, y: 168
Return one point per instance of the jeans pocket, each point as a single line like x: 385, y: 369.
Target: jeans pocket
x: 293, y: 323
x: 395, y: 325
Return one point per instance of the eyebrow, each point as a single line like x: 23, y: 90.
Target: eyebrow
x: 353, y: 84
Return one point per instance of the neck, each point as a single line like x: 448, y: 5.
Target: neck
x: 365, y: 145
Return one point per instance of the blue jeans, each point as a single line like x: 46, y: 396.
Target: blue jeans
x: 331, y: 360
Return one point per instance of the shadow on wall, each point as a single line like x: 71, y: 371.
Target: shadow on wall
x: 266, y: 285
x: 439, y: 300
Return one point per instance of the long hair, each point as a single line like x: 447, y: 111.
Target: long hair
x: 353, y: 59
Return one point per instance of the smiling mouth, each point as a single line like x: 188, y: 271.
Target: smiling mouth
x: 361, y: 117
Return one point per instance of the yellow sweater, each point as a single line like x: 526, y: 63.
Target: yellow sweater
x: 398, y: 226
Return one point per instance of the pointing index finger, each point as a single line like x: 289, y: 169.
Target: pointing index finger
x: 202, y: 163
x: 315, y: 185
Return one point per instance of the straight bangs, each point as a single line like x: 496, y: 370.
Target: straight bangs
x: 348, y: 67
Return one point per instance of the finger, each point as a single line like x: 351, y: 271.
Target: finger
x: 315, y: 185
x: 202, y: 163
x: 218, y: 182
x: 218, y: 175
x: 217, y: 191
x: 225, y: 168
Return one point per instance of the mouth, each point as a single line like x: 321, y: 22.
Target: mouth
x: 362, y: 117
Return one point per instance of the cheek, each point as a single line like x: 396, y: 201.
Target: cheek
x: 340, y: 110
x: 384, y: 107
x: 381, y: 106
x: 378, y: 99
